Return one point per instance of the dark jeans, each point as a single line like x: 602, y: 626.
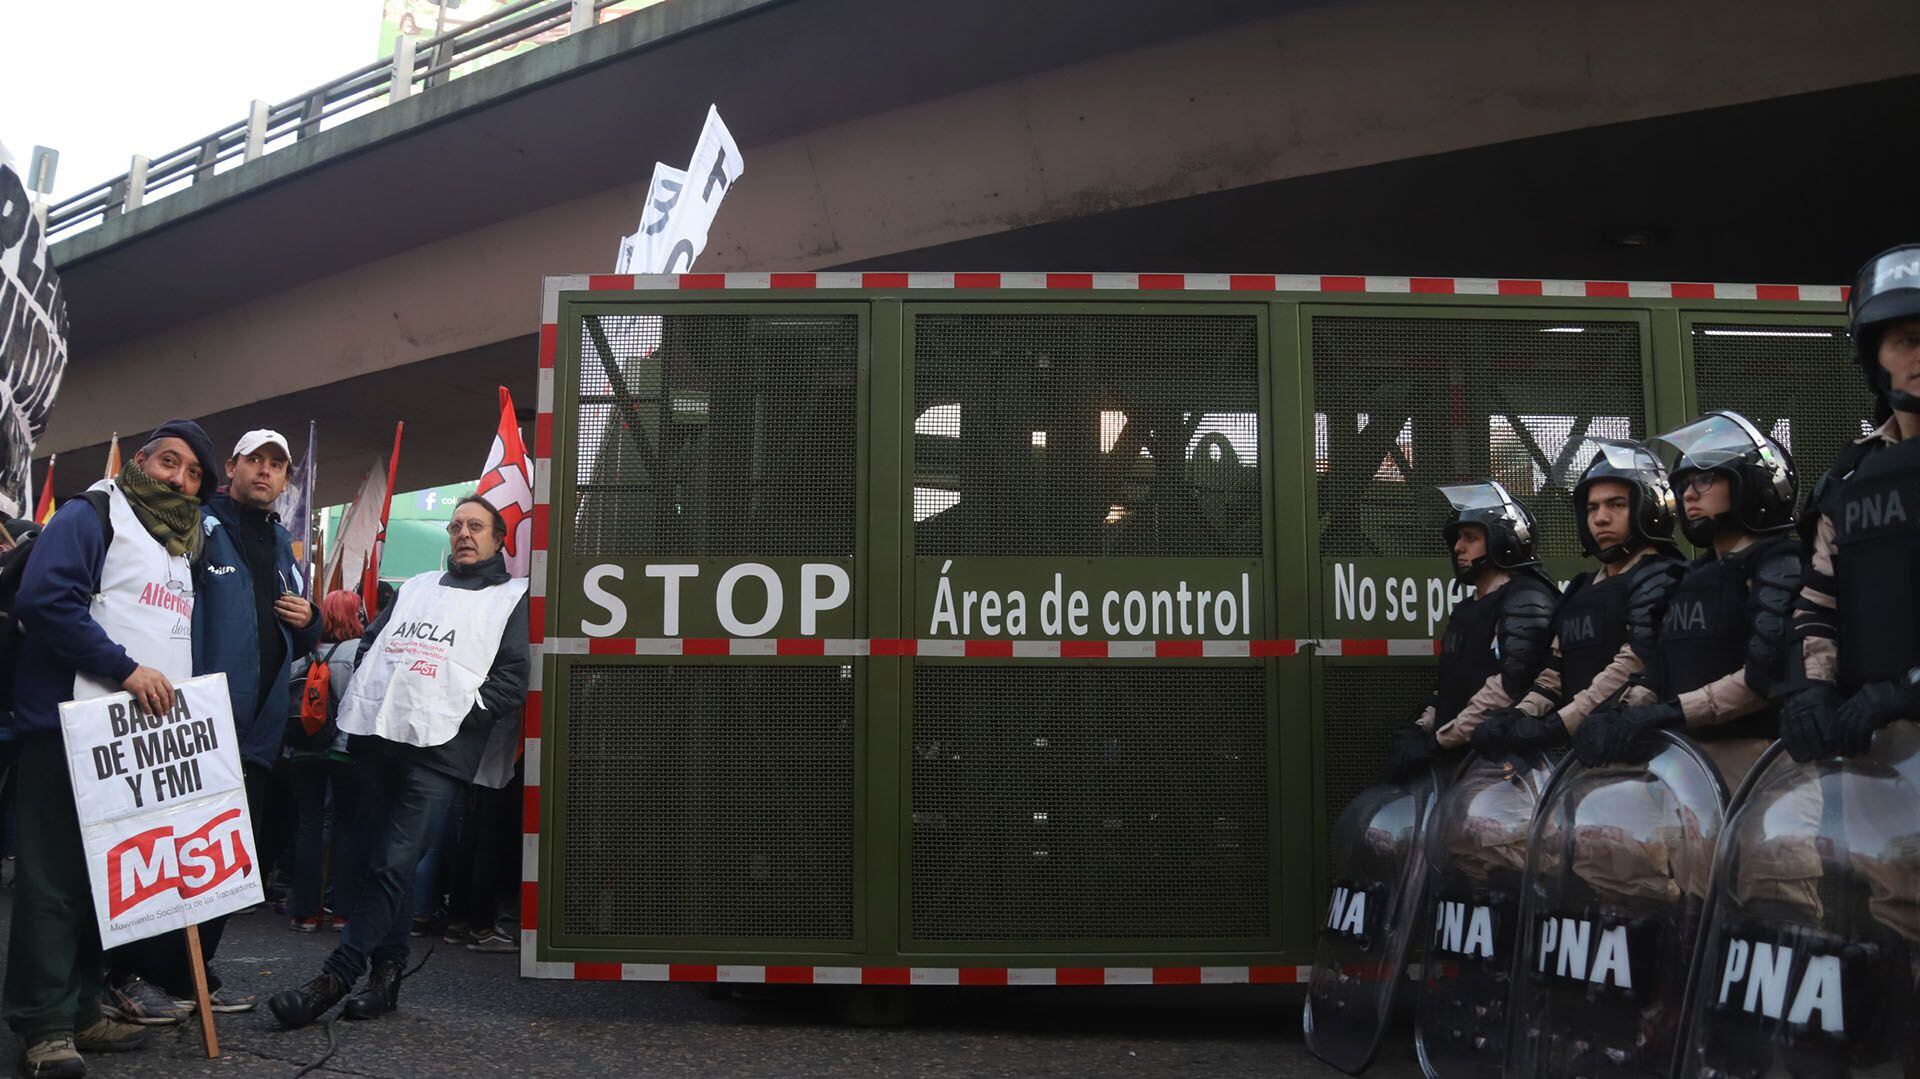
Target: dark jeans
x: 314, y: 779
x: 402, y: 807
x: 165, y: 960
x: 53, y: 945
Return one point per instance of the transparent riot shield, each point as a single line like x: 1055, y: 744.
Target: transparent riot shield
x: 1368, y: 930
x: 1810, y: 963
x: 1476, y: 853
x: 1616, y: 884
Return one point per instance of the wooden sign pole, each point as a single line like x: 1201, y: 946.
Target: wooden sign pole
x: 200, y: 994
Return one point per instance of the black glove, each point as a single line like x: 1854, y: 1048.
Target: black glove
x: 1493, y: 737
x: 1412, y: 748
x: 1871, y: 707
x: 1531, y: 733
x: 1807, y: 721
x: 1610, y: 734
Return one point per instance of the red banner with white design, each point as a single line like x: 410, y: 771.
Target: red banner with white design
x: 507, y: 485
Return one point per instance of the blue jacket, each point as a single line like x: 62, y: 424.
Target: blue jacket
x: 226, y: 632
x: 55, y: 605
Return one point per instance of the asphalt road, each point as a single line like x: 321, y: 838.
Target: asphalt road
x: 467, y: 1014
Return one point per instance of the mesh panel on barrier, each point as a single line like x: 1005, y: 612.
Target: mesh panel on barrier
x: 1797, y: 383
x: 717, y: 434
x: 1403, y: 404
x: 1068, y: 803
x: 709, y: 801
x: 1086, y: 434
x: 1363, y: 706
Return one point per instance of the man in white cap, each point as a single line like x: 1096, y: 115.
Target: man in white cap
x: 250, y: 622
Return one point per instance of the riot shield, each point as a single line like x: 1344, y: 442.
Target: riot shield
x: 1362, y: 954
x: 1809, y: 965
x: 1476, y: 850
x: 1618, y: 867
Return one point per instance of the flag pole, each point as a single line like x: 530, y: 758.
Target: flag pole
x: 370, y: 582
x: 313, y: 465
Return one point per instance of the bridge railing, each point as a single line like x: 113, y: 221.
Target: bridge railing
x: 417, y: 65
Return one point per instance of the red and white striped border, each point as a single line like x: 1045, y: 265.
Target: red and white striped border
x: 1196, y: 282
x: 904, y: 976
x: 986, y: 649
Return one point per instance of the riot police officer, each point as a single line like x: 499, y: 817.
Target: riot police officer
x: 1855, y: 621
x: 1624, y: 508
x: 1496, y: 640
x: 1846, y: 826
x: 1721, y: 649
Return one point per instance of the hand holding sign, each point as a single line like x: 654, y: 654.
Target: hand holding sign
x: 150, y: 688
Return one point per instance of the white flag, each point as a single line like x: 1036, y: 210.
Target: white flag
x: 359, y: 527
x: 681, y: 205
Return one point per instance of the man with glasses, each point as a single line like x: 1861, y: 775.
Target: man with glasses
x: 437, y: 673
x: 106, y: 605
x: 251, y: 622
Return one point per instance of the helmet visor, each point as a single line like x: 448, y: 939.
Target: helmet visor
x: 1476, y: 496
x: 1625, y: 458
x: 1712, y: 441
x: 1478, y: 503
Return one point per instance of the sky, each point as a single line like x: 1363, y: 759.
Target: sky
x: 102, y: 80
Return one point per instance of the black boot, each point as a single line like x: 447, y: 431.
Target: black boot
x: 381, y: 995
x: 298, y: 1007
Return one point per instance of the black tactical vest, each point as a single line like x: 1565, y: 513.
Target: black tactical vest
x: 1876, y: 522
x: 1592, y: 628
x: 1467, y: 655
x: 1704, y: 637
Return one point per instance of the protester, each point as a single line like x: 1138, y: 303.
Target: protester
x: 323, y: 777
x: 88, y: 634
x: 485, y: 859
x: 250, y: 623
x: 437, y: 671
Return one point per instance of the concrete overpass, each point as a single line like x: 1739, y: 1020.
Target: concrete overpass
x: 389, y: 268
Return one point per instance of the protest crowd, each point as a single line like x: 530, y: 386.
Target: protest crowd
x: 360, y: 763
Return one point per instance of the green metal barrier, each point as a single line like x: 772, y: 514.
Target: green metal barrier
x: 1000, y: 634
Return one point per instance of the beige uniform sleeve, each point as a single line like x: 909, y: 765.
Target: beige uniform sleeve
x: 1492, y: 696
x: 1722, y: 700
x: 1605, y: 684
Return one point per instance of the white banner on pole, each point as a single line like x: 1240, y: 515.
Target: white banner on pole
x: 681, y: 205
x: 163, y: 810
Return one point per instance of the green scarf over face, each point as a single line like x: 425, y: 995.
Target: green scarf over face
x: 171, y: 517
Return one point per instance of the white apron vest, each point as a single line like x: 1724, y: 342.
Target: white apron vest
x: 145, y: 600
x: 423, y: 673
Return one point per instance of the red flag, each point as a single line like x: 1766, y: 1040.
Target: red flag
x: 370, y: 582
x: 507, y: 485
x: 43, y: 512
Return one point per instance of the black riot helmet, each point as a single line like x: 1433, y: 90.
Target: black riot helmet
x: 1510, y: 528
x: 1651, y: 506
x: 1886, y: 290
x: 1760, y: 472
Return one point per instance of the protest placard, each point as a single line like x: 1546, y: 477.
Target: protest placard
x: 163, y: 810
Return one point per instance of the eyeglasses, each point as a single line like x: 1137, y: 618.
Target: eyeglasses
x: 1700, y: 482
x: 456, y: 529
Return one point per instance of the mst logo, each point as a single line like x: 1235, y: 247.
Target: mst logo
x: 421, y: 666
x: 157, y: 861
